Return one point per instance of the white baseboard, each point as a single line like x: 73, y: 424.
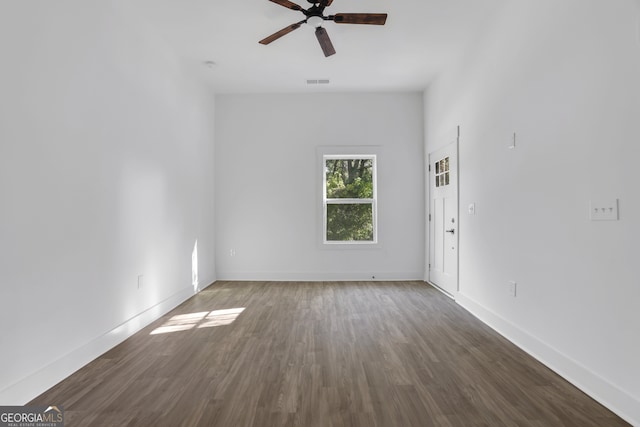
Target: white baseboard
x: 40, y: 381
x: 609, y: 395
x: 304, y: 276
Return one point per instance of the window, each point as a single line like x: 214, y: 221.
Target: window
x: 442, y: 172
x: 349, y: 199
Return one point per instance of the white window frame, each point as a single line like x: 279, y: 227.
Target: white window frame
x: 343, y: 201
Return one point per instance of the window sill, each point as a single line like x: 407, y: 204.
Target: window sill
x: 350, y: 246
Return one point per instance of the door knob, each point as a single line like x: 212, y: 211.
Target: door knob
x: 452, y: 231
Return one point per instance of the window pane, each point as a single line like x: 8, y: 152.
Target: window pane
x: 350, y: 222
x: 349, y: 178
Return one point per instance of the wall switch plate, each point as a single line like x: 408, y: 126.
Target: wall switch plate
x: 511, y: 288
x: 472, y: 209
x: 603, y: 210
x: 140, y: 281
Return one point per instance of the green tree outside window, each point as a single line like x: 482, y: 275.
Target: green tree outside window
x: 350, y: 199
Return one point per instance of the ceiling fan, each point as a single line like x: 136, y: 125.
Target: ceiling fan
x: 314, y: 16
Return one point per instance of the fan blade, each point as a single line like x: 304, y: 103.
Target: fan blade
x: 325, y: 41
x: 325, y: 3
x: 282, y: 32
x: 288, y: 4
x: 360, y: 18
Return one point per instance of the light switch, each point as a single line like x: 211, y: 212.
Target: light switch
x: 603, y: 210
x: 472, y: 209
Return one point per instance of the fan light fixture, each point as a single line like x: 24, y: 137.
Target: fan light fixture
x: 315, y: 21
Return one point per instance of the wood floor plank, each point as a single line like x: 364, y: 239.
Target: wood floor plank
x: 320, y: 354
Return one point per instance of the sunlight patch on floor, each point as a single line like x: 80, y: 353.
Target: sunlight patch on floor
x: 204, y: 319
x: 221, y: 317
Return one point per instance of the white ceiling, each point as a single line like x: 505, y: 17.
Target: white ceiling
x: 419, y: 38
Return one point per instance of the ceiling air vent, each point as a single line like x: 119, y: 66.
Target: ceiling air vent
x: 317, y: 81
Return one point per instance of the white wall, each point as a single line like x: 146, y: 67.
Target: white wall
x: 565, y: 76
x: 268, y: 184
x: 106, y: 157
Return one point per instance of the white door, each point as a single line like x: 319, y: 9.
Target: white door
x: 443, y: 217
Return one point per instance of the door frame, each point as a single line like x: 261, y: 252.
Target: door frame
x: 450, y: 138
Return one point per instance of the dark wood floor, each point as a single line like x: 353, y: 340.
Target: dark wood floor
x: 320, y: 354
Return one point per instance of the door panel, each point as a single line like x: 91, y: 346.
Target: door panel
x: 438, y: 235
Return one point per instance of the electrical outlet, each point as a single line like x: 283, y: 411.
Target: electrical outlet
x: 511, y: 288
x: 232, y: 252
